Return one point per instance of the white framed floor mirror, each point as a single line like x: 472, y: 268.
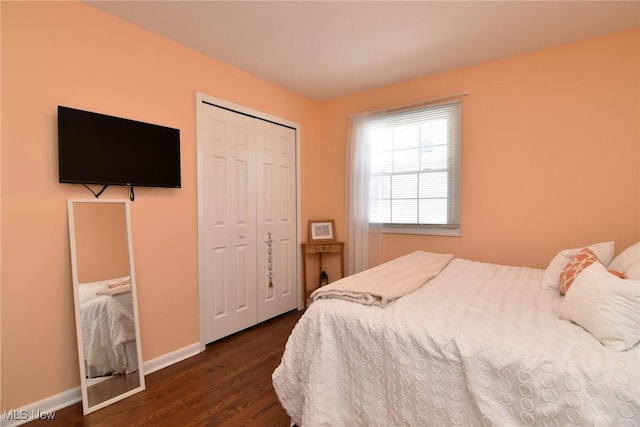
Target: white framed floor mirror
x: 106, y: 309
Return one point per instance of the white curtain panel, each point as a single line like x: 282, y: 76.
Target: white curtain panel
x: 364, y: 238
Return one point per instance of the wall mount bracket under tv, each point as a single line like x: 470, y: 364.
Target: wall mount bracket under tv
x: 96, y: 148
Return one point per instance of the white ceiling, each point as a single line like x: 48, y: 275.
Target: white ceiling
x: 328, y: 49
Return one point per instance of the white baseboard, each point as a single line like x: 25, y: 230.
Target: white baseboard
x: 169, y: 359
x: 46, y: 408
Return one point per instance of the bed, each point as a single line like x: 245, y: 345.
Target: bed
x: 478, y: 344
x: 108, y: 327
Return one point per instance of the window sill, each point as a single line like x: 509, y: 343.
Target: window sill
x: 427, y: 231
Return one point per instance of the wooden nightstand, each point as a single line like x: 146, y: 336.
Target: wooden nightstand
x: 319, y: 248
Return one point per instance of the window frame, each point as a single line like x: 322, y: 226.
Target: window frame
x: 453, y: 169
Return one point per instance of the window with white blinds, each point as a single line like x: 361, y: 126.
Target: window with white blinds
x: 415, y: 168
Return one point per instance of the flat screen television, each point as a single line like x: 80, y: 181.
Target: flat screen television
x: 96, y: 148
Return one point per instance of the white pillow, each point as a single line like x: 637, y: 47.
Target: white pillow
x: 121, y: 289
x: 628, y: 262
x: 87, y: 291
x: 606, y: 306
x: 604, y: 252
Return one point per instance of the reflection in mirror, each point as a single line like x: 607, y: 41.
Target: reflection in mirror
x: 105, y: 301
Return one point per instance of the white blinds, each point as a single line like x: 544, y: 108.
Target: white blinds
x: 415, y: 167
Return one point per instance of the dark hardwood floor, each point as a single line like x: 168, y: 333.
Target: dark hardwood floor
x: 114, y: 386
x: 229, y: 384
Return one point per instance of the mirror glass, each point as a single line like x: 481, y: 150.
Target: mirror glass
x: 104, y: 289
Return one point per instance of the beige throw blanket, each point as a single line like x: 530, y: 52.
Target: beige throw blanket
x: 386, y: 282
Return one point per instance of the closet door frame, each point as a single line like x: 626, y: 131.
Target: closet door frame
x: 201, y: 101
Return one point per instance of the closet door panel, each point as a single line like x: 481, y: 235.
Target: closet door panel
x: 230, y: 224
x: 276, y: 215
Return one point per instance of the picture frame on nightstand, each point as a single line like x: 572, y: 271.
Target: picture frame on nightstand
x: 322, y: 230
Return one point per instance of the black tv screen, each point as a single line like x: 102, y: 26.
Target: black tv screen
x: 96, y: 148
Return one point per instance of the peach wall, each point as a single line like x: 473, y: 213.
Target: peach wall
x: 550, y: 151
x: 68, y: 53
x: 102, y: 249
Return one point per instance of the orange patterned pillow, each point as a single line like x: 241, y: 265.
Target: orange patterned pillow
x: 618, y: 274
x: 582, y: 260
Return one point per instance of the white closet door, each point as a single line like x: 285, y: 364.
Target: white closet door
x: 276, y: 216
x: 229, y: 194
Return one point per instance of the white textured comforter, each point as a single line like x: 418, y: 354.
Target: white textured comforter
x: 107, y: 323
x: 479, y: 344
